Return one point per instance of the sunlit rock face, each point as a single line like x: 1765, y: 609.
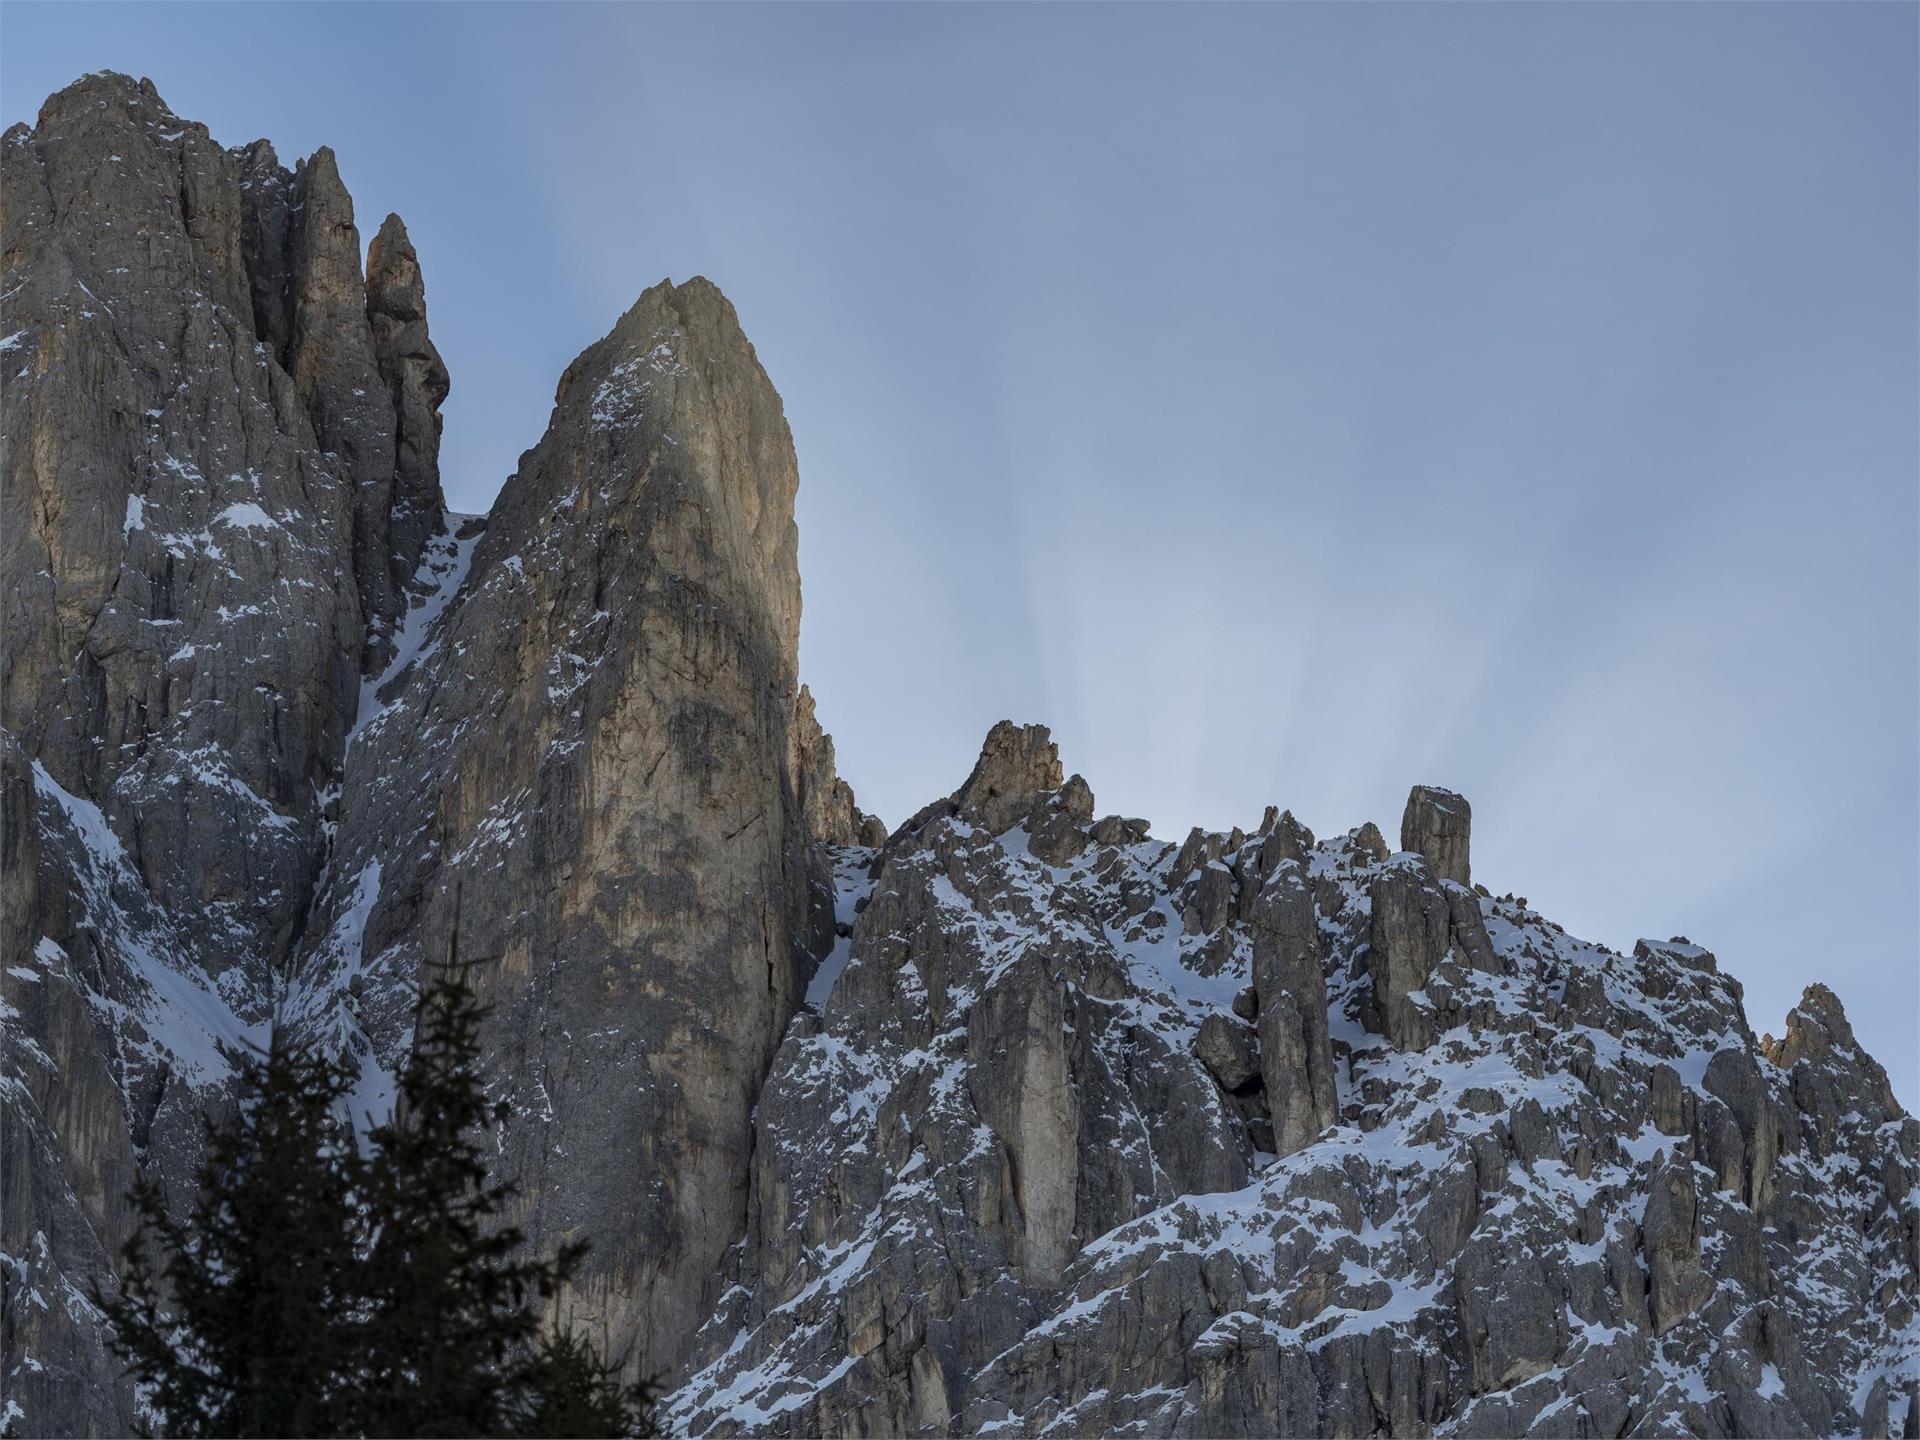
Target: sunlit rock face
x: 1014, y: 1120
x: 589, y: 778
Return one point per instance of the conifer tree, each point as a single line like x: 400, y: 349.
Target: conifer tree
x: 239, y: 1319
x: 453, y: 1328
x: 570, y: 1390
x: 315, y: 1289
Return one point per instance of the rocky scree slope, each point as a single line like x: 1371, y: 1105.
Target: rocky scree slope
x: 1012, y: 1120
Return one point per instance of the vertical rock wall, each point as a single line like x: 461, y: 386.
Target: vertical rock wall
x: 591, y: 772
x: 196, y: 479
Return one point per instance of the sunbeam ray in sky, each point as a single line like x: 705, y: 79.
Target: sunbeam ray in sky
x: 1286, y: 403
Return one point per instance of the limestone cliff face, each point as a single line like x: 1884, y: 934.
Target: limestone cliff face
x: 590, y: 777
x: 188, y: 471
x: 276, y: 727
x: 181, y: 634
x: 1014, y: 1120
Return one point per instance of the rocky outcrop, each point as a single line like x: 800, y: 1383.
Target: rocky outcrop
x: 188, y: 474
x: 1021, y: 1084
x: 1677, y: 1283
x: 589, y: 774
x: 830, y: 813
x: 1012, y: 1120
x: 1472, y: 1200
x: 1438, y: 825
x: 337, y: 374
x: 180, y: 635
x: 1289, y: 979
x: 1018, y: 765
x: 225, y: 558
x: 417, y: 386
x: 348, y: 346
x: 1407, y: 939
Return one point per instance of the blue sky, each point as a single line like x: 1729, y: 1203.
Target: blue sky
x: 1285, y: 404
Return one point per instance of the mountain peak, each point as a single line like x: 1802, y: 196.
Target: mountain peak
x: 1010, y: 1121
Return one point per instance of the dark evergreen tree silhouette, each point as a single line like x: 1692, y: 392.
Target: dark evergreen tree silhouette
x: 570, y: 1390
x: 454, y: 1334
x: 314, y: 1289
x: 241, y: 1318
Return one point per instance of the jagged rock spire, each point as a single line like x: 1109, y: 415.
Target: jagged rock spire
x: 606, y: 766
x: 1439, y: 824
x: 417, y: 385
x: 1017, y: 765
x: 832, y: 814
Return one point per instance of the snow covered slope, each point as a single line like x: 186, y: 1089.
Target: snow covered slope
x: 1019, y: 1175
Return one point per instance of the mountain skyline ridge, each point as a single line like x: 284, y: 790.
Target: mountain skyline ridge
x: 337, y: 722
x: 1567, y: 427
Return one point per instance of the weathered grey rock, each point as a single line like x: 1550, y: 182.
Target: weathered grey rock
x: 591, y: 778
x: 1467, y: 929
x: 1281, y: 839
x: 1017, y: 765
x: 1512, y: 1315
x: 1669, y: 1103
x: 1533, y: 1133
x: 337, y: 374
x: 1831, y: 1073
x: 1873, y: 1414
x: 1017, y: 1053
x: 417, y: 386
x: 1060, y: 827
x: 1734, y: 1077
x: 220, y: 482
x: 1012, y: 1166
x: 1517, y: 1278
x: 1226, y: 1049
x: 830, y: 814
x: 1438, y: 824
x: 1407, y: 938
x: 1296, y: 1052
x: 1677, y: 1284
x: 1366, y: 842
x: 184, y: 628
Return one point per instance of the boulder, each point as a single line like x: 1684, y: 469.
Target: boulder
x: 1225, y: 1047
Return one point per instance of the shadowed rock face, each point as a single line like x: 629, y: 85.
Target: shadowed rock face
x: 1013, y: 1119
x: 194, y: 549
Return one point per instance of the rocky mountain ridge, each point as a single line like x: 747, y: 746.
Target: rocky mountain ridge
x: 1263, y: 1134
x: 1013, y: 1119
